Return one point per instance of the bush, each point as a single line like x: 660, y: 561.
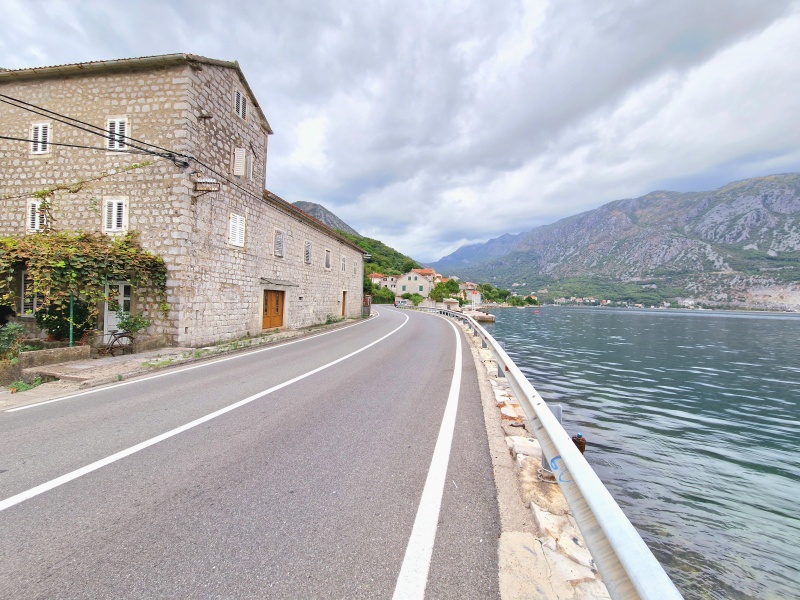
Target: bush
x: 133, y: 324
x: 55, y: 320
x: 383, y: 296
x: 11, y: 338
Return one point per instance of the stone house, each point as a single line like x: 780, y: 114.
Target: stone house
x: 416, y: 281
x: 470, y: 293
x: 173, y: 147
x: 384, y: 281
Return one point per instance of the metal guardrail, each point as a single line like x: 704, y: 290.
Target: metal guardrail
x: 627, y: 565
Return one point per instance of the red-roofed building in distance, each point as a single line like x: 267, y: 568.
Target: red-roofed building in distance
x: 384, y: 281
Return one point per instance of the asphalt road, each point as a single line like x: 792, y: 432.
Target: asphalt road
x: 294, y: 471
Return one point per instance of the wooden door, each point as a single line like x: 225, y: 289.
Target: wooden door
x: 273, y: 309
x: 344, y: 304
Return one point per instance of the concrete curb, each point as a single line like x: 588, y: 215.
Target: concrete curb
x: 541, y: 553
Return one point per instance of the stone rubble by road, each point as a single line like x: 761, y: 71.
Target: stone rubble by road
x: 542, y: 555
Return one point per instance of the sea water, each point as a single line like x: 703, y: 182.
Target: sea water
x: 692, y: 421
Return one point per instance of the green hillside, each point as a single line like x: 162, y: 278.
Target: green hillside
x: 384, y: 259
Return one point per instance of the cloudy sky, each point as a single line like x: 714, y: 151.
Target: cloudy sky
x: 429, y: 124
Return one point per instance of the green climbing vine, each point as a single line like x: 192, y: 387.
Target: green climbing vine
x: 46, y: 195
x: 63, y: 263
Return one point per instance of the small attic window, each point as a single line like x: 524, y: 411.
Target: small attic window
x: 240, y: 104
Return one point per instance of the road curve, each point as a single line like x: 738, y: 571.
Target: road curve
x: 308, y: 487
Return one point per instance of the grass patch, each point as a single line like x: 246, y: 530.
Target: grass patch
x: 21, y: 386
x: 156, y: 364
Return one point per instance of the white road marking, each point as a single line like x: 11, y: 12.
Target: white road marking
x: 53, y: 483
x: 417, y: 561
x: 183, y: 370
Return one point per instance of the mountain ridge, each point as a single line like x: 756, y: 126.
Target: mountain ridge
x: 713, y: 245
x: 320, y: 213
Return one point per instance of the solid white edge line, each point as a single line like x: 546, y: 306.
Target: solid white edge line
x: 413, y: 575
x: 182, y: 370
x: 53, y: 483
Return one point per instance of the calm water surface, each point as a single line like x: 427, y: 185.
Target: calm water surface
x: 692, y: 423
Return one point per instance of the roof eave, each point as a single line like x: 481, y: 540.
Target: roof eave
x: 304, y: 216
x: 132, y: 64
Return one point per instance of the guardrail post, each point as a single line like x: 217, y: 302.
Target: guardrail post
x: 556, y: 410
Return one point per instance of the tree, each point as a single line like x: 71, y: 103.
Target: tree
x: 408, y: 265
x: 415, y: 298
x: 383, y: 296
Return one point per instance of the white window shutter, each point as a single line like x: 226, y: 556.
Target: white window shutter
x: 240, y: 104
x: 35, y: 139
x: 236, y: 230
x: 40, y: 137
x: 109, y: 215
x: 33, y: 215
x: 119, y: 216
x: 239, y: 162
x: 278, y: 243
x: 112, y: 138
x: 117, y: 131
x: 308, y: 253
x: 114, y: 214
x: 122, y: 131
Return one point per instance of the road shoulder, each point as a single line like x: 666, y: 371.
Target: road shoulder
x: 541, y: 553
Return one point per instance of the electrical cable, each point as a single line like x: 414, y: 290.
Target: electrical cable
x: 169, y: 155
x: 48, y: 143
x: 104, y: 132
x: 165, y: 152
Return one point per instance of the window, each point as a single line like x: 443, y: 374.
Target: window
x: 36, y: 220
x: 328, y: 260
x: 404, y: 288
x: 420, y: 288
x: 344, y: 265
x: 117, y: 133
x: 115, y: 215
x: 279, y: 243
x: 236, y: 230
x: 29, y: 300
x: 40, y: 138
x: 239, y: 162
x: 307, y: 255
x: 415, y: 277
x: 355, y: 267
x: 240, y: 104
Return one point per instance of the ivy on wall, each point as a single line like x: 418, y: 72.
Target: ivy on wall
x: 63, y: 263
